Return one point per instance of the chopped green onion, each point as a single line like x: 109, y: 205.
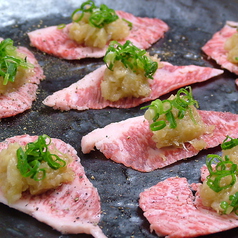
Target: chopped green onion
x: 131, y: 57
x: 99, y: 16
x: 61, y: 26
x: 226, y: 145
x: 182, y: 101
x: 232, y: 206
x: 224, y: 167
x: 129, y: 23
x: 30, y: 159
x: 87, y: 6
x: 219, y: 168
x: 170, y: 117
x: 9, y: 61
x: 234, y: 199
x: 158, y: 125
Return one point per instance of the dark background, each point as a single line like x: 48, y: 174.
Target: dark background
x: 192, y: 23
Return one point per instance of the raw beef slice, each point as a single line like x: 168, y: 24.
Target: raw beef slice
x: 130, y: 141
x: 18, y: 101
x: 52, y: 40
x: 173, y: 211
x: 71, y: 208
x: 86, y: 93
x: 214, y: 48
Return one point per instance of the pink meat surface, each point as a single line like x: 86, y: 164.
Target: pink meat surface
x: 71, y: 208
x: 52, y: 40
x: 214, y: 48
x: 18, y: 101
x: 86, y: 93
x: 204, y: 172
x: 130, y: 141
x: 174, y: 212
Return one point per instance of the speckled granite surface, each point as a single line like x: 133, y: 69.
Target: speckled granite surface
x: 191, y: 23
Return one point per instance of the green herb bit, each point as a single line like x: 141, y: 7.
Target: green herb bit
x: 128, y: 22
x: 99, y: 16
x: 9, y: 61
x: 30, y: 159
x: 61, y: 26
x: 182, y: 102
x: 232, y: 206
x: 226, y: 145
x: 131, y: 57
x: 223, y: 168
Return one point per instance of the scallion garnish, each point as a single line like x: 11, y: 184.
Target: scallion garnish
x: 61, y: 26
x: 99, y: 16
x: 30, y: 159
x: 181, y: 102
x: 128, y: 23
x: 131, y: 57
x: 10, y: 61
x: 223, y: 175
x: 232, y: 206
x: 226, y: 145
x: 223, y: 168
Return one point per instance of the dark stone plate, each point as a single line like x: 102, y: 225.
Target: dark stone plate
x: 192, y: 23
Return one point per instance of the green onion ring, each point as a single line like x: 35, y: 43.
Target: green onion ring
x: 220, y: 171
x: 131, y: 56
x: 99, y: 16
x: 30, y: 159
x: 10, y: 61
x: 181, y: 102
x: 226, y: 145
x: 158, y: 125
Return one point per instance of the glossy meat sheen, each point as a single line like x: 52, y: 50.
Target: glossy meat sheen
x: 86, y: 93
x: 51, y: 40
x: 129, y: 142
x: 174, y: 212
x: 72, y: 208
x: 16, y: 102
x: 214, y: 48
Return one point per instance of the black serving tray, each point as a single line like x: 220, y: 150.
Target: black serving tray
x: 192, y: 23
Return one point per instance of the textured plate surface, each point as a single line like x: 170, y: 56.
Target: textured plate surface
x: 191, y: 23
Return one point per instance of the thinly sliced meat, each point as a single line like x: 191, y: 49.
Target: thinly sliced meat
x: 18, y: 101
x: 174, y: 212
x: 51, y: 40
x: 71, y: 208
x: 86, y: 93
x: 129, y: 142
x: 204, y: 172
x: 214, y: 48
